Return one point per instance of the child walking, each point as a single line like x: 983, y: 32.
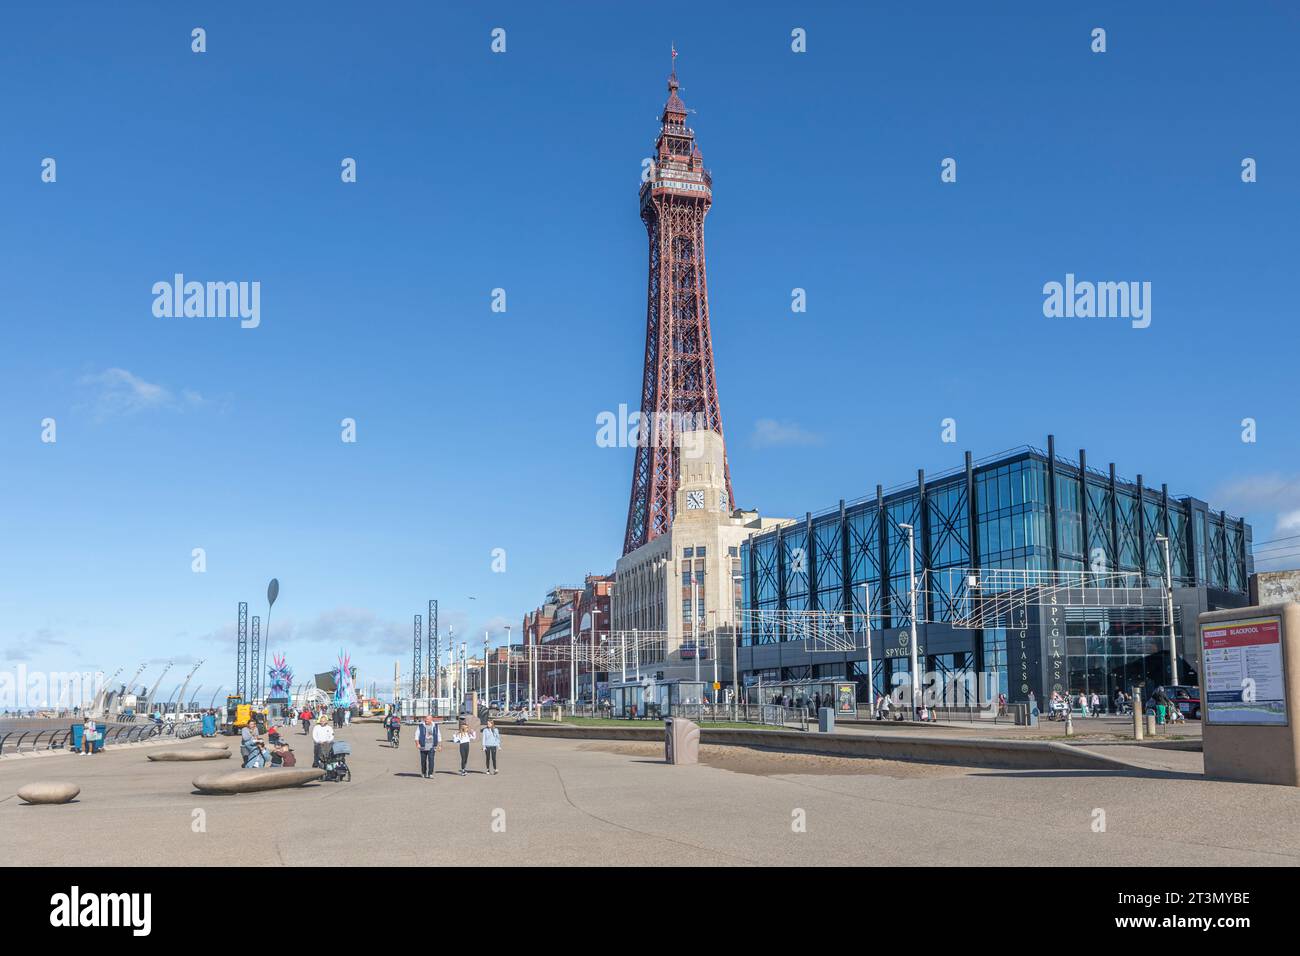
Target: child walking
x: 463, y: 736
x: 491, y: 744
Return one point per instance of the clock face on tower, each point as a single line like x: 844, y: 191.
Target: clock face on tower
x: 722, y: 500
x: 694, y: 500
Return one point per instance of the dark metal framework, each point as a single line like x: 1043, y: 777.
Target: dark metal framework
x: 1077, y: 518
x: 241, y: 651
x: 678, y: 389
x: 416, y: 673
x: 255, y: 660
x: 432, y: 639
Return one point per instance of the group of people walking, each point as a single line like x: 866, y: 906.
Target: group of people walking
x: 428, y: 741
x: 1089, y: 704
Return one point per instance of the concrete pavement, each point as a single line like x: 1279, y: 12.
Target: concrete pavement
x: 561, y: 802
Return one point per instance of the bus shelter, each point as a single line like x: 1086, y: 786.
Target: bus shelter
x: 808, y: 694
x: 657, y: 699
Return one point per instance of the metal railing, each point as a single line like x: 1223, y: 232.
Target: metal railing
x: 769, y: 715
x: 56, y: 738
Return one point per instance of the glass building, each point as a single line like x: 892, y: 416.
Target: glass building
x: 1026, y: 514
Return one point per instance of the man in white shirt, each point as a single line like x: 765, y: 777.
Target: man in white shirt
x: 322, y: 736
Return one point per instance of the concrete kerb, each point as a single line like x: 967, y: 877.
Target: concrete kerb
x: 999, y: 754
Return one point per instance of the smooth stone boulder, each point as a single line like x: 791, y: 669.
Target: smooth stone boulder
x: 256, y: 779
x: 167, y: 756
x: 216, y: 745
x: 48, y: 791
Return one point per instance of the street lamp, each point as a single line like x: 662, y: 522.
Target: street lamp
x: 866, y: 619
x: 508, y: 701
x: 735, y: 641
x: 1169, y: 607
x: 573, y: 663
x: 695, y: 621
x: 911, y: 574
x: 594, y: 611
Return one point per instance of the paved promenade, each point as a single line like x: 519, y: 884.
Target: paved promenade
x: 559, y: 802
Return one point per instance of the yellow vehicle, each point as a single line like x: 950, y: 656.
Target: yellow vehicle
x: 238, y: 714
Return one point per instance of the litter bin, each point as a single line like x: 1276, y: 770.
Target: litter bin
x: 826, y: 721
x: 78, y: 732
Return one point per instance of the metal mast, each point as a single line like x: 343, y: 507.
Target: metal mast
x: 241, y: 652
x: 416, y: 672
x: 255, y: 661
x: 431, y: 649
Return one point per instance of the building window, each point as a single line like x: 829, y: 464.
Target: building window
x: 1101, y: 553
x: 1069, y: 523
x: 1013, y: 516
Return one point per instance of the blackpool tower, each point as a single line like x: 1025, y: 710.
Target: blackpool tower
x: 678, y: 391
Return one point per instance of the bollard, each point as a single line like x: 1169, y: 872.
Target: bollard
x: 1151, y: 725
x: 1137, y: 724
x: 1069, y: 723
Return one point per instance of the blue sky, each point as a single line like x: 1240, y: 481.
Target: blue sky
x: 476, y: 429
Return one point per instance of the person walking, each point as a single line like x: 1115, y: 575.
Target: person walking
x: 491, y: 744
x: 306, y: 717
x: 463, y: 736
x: 322, y: 736
x: 1095, y: 704
x: 246, y: 741
x: 428, y: 741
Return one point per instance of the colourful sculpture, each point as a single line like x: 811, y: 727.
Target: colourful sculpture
x: 281, y: 675
x: 343, y: 692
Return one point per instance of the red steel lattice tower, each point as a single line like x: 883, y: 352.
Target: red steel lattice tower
x: 678, y: 387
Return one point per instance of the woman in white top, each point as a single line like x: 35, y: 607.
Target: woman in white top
x: 463, y: 736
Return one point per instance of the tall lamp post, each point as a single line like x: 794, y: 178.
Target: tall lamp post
x: 735, y: 643
x: 594, y: 611
x: 911, y: 575
x: 866, y: 619
x: 573, y: 663
x: 695, y: 621
x: 1169, y: 607
x: 272, y: 592
x: 508, y: 700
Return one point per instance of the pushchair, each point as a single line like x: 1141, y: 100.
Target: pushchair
x: 336, y: 762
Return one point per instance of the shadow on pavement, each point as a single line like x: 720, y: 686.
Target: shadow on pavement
x: 1134, y: 772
